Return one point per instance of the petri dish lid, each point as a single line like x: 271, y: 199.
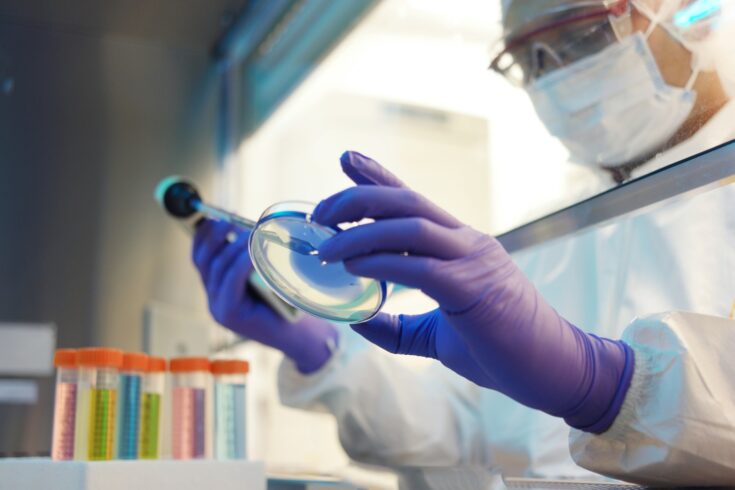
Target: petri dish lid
x: 283, y: 250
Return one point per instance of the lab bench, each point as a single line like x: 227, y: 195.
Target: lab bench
x: 44, y: 474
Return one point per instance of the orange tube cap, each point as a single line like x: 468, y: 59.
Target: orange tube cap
x: 230, y: 366
x: 66, y: 358
x: 99, y: 357
x: 188, y: 364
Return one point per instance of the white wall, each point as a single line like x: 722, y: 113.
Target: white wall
x: 441, y: 154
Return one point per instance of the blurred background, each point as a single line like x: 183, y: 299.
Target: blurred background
x: 255, y: 100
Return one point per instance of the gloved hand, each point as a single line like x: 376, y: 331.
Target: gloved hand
x: 492, y: 326
x: 224, y: 267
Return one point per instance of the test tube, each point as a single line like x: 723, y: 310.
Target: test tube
x: 62, y: 441
x: 96, y: 403
x: 190, y: 378
x: 134, y: 366
x: 229, y: 408
x: 150, y: 417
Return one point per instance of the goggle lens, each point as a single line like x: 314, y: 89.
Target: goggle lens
x: 558, y: 43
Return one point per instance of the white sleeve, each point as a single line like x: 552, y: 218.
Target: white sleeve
x: 387, y: 413
x: 677, y: 423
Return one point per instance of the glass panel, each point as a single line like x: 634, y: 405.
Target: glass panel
x: 650, y: 86
x: 672, y: 255
x: 409, y: 87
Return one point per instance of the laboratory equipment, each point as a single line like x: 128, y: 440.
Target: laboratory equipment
x: 190, y: 379
x: 62, y: 443
x: 96, y: 403
x: 134, y: 366
x: 174, y: 195
x: 27, y: 378
x: 150, y: 408
x: 229, y: 408
x: 309, y: 342
x: 283, y: 247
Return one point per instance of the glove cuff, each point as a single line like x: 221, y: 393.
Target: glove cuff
x: 614, y: 364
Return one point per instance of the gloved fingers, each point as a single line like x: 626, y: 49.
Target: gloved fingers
x: 202, y: 233
x: 414, y: 272
x: 366, y: 171
x: 401, y: 334
x: 418, y: 334
x: 415, y: 236
x: 224, y: 260
x: 255, y: 322
x: 383, y: 330
x: 379, y: 202
x: 232, y: 289
x: 208, y: 242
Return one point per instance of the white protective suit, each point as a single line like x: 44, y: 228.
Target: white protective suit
x: 677, y: 423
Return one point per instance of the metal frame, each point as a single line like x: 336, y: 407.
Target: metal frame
x: 698, y: 173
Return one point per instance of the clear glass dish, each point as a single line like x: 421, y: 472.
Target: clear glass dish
x: 283, y: 249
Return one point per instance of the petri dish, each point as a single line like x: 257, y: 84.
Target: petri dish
x: 283, y: 250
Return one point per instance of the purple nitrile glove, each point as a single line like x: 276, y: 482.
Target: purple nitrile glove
x: 224, y: 267
x: 492, y: 326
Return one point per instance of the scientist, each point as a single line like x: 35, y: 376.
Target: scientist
x: 627, y: 87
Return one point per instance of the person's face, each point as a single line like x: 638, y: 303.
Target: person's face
x: 586, y: 38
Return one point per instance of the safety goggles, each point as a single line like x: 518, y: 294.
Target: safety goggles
x: 560, y: 38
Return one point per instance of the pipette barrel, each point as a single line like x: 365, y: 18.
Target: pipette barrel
x: 223, y: 215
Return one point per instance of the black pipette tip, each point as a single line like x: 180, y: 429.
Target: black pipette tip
x: 177, y: 196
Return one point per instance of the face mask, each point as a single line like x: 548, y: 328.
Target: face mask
x: 612, y: 107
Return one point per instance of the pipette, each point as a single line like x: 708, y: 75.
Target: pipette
x: 282, y: 246
x: 182, y: 200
